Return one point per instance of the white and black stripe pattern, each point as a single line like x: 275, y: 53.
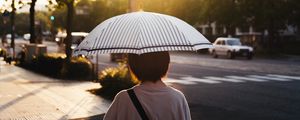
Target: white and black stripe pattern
x: 142, y: 32
x: 235, y: 79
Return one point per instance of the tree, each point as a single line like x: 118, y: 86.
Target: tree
x: 89, y: 13
x: 294, y: 16
x: 69, y: 22
x: 171, y: 7
x: 270, y: 15
x: 21, y: 23
x: 32, y: 22
x: 11, y: 14
x: 225, y: 13
x: 12, y: 23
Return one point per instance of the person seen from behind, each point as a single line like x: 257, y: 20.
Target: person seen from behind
x: 152, y: 99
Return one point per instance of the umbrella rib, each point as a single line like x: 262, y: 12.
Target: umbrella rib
x: 179, y: 35
x: 149, y: 23
x: 158, y: 30
x: 182, y: 37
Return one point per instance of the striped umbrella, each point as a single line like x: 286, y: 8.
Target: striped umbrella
x: 142, y: 32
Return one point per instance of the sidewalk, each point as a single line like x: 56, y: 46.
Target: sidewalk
x: 26, y: 95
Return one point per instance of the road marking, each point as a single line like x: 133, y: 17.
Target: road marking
x: 178, y: 74
x: 184, y: 82
x: 285, y: 76
x: 269, y: 78
x: 200, y: 80
x: 223, y: 79
x: 247, y: 78
x: 189, y: 80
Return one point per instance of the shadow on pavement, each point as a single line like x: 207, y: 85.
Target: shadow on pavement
x: 16, y: 100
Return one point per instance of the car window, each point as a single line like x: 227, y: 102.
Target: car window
x: 233, y: 42
x: 222, y: 42
x: 218, y: 43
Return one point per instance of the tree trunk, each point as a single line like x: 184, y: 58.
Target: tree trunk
x: 32, y: 24
x: 209, y: 31
x: 271, y: 37
x: 230, y: 31
x: 12, y: 18
x: 68, y: 40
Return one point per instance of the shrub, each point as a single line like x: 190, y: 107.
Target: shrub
x: 2, y: 52
x: 79, y: 68
x: 113, y: 80
x: 54, y: 65
x: 49, y: 63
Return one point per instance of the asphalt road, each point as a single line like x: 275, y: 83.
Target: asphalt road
x: 250, y: 96
x: 224, y: 89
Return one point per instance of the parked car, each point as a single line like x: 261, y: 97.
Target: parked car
x: 26, y: 36
x: 77, y: 38
x: 8, y: 36
x: 230, y: 47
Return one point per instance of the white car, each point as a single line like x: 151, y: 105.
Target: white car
x: 26, y: 36
x: 230, y: 47
x: 77, y: 38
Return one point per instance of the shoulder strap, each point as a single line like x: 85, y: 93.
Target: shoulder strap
x: 137, y: 104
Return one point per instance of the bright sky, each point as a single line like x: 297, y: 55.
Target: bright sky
x: 40, y: 5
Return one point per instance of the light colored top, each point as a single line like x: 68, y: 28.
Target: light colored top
x: 159, y: 101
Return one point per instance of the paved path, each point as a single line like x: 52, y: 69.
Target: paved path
x: 26, y: 95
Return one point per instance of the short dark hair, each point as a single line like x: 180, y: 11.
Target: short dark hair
x: 149, y: 66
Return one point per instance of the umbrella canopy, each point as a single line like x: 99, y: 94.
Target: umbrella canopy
x: 142, y: 32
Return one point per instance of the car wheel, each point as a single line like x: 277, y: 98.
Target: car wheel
x: 230, y: 55
x: 214, y: 54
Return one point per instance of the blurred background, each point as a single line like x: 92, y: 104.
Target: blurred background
x: 268, y: 26
x: 251, y: 73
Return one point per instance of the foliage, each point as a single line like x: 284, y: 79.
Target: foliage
x: 69, y: 24
x: 113, y: 80
x: 225, y: 12
x: 50, y: 64
x: 294, y: 16
x: 95, y: 12
x: 3, y: 52
x: 22, y: 22
x: 54, y: 65
x: 188, y: 10
x: 43, y: 18
x: 78, y: 68
x: 271, y: 15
